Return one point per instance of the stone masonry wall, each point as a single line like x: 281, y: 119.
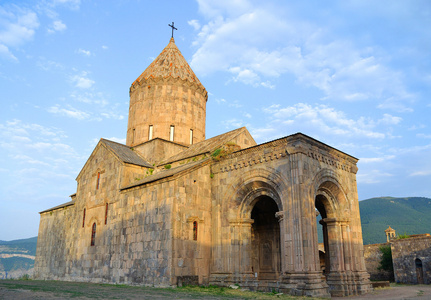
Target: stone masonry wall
x: 404, y: 254
x: 373, y: 256
x: 165, y: 102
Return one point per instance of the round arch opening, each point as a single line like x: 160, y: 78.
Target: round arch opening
x: 266, y: 256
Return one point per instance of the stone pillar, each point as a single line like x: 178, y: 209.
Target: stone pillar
x: 241, y: 249
x: 283, y: 244
x: 336, y: 253
x: 347, y: 247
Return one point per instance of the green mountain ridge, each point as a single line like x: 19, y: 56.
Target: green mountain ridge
x: 17, y: 257
x: 409, y: 215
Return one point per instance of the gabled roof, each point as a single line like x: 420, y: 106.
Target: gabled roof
x: 58, y: 206
x: 205, y: 146
x: 169, y: 63
x: 166, y: 173
x: 126, y: 154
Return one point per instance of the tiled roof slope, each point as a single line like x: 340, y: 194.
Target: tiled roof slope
x: 165, y: 174
x: 126, y: 154
x: 205, y: 146
x: 169, y: 63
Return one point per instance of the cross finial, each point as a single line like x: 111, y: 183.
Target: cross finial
x: 173, y: 27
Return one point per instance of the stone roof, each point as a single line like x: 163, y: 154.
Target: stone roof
x: 389, y: 229
x: 58, y: 206
x: 169, y: 63
x: 166, y: 173
x: 206, y: 146
x: 126, y: 154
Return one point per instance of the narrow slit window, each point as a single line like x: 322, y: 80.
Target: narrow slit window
x: 106, y: 213
x: 133, y: 135
x: 191, y: 136
x: 195, y: 230
x: 98, y: 181
x: 93, y: 234
x: 171, y: 133
x: 150, y: 132
x: 83, y: 218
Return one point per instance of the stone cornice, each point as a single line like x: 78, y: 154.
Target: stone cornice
x: 169, y: 80
x: 227, y: 165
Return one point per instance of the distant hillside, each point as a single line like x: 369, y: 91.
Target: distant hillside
x: 17, y: 257
x: 410, y: 215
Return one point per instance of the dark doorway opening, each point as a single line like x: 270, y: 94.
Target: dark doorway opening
x: 266, y: 257
x: 323, y: 253
x: 419, y: 271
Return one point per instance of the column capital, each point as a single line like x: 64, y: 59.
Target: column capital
x: 335, y: 221
x: 279, y: 215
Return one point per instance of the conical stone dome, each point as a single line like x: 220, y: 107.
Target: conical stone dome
x: 167, y: 101
x: 169, y: 63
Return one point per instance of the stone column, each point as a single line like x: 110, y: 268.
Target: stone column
x: 335, y: 246
x: 285, y: 259
x: 346, y: 242
x: 241, y: 248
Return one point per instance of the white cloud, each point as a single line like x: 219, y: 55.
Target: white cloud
x: 84, y: 52
x: 232, y: 123
x: 57, y: 26
x: 236, y: 40
x: 373, y: 160
x: 69, y: 112
x: 421, y: 173
x: 423, y: 135
x: 48, y: 65
x: 195, y: 24
x: 372, y: 176
x: 105, y: 47
x: 82, y: 81
x: 4, y: 52
x: 322, y: 118
x: 18, y: 27
x: 90, y: 98
x: 390, y: 120
x: 72, y: 4
x: 112, y: 115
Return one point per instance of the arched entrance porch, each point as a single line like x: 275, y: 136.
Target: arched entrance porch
x: 265, y: 239
x: 336, y: 257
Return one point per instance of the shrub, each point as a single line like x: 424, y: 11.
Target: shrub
x: 386, y: 261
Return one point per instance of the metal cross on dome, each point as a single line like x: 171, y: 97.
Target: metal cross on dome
x: 173, y: 27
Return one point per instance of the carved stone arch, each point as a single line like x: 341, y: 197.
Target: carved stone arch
x: 261, y: 181
x: 253, y: 197
x: 327, y: 186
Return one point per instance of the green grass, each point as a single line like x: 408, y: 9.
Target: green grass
x: 111, y: 291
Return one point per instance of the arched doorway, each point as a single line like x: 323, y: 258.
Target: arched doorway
x: 419, y: 271
x: 265, y: 236
x: 324, y: 256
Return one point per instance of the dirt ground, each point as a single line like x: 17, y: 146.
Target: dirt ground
x: 398, y: 291
x: 32, y: 289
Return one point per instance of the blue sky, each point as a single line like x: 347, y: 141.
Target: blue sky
x: 354, y: 74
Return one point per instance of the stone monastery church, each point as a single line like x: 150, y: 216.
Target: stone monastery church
x: 171, y: 207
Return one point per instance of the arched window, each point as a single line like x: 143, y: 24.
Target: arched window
x: 150, y: 132
x: 195, y: 230
x: 98, y: 181
x: 171, y: 133
x: 83, y: 218
x: 106, y: 214
x: 191, y: 136
x: 93, y: 234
